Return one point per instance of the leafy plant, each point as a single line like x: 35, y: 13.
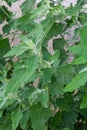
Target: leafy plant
x: 42, y: 89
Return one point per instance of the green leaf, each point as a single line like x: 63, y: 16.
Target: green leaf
x: 56, y: 121
x: 25, y: 119
x: 39, y: 116
x: 76, y: 49
x: 81, y: 48
x: 78, y: 81
x: 47, y: 74
x: 16, y: 116
x: 18, y: 50
x: 5, y: 14
x: 29, y: 25
x: 37, y: 33
x: 81, y: 2
x: 56, y: 89
x: 21, y: 48
x: 10, y: 2
x: 6, y: 127
x: 82, y: 17
x: 83, y: 112
x: 27, y: 5
x: 55, y: 30
x: 47, y: 104
x: 55, y: 56
x: 79, y: 60
x: 6, y: 29
x: 83, y: 35
x: 66, y: 128
x: 41, y: 10
x: 73, y: 10
x: 66, y: 103
x: 44, y: 98
x: 46, y: 54
x: 58, y: 44
x: 65, y: 74
x: 5, y: 122
x: 4, y: 47
x: 22, y: 75
x: 39, y: 95
x: 84, y: 102
x: 69, y: 119
x: 34, y: 95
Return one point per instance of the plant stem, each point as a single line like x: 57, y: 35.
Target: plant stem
x: 4, y: 12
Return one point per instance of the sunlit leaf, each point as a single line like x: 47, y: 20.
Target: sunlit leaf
x: 22, y: 75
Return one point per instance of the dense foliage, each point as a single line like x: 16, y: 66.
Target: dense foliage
x: 42, y: 90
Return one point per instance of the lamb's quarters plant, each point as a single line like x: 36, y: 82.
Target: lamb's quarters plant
x: 40, y: 90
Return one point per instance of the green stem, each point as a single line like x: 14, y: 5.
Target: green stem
x: 82, y: 17
x: 4, y: 12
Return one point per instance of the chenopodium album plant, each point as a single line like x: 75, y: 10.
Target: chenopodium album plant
x: 42, y: 89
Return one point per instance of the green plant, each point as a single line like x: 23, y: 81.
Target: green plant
x: 40, y: 90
